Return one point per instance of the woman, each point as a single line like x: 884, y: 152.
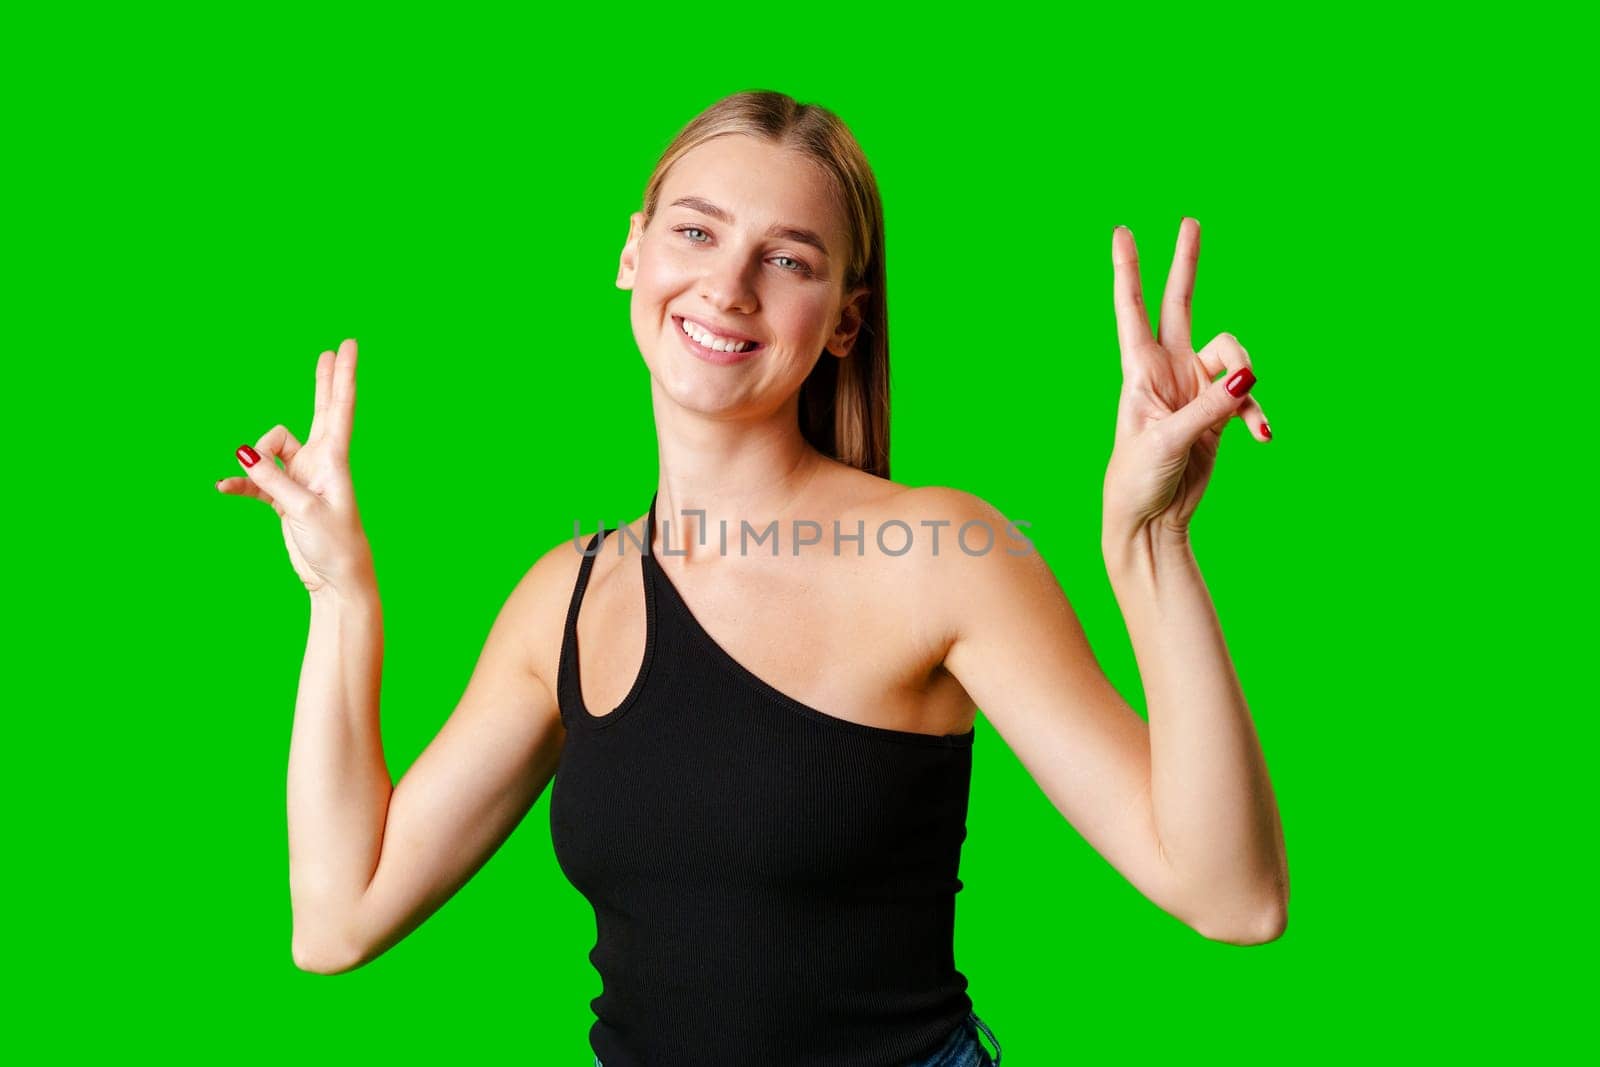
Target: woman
x: 764, y: 753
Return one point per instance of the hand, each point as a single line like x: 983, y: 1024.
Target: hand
x: 313, y: 494
x: 1171, y: 413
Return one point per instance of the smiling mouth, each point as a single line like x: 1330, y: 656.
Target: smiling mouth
x: 712, y: 342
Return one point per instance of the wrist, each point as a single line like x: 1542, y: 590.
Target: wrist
x: 360, y: 594
x: 1147, y: 549
x: 1154, y: 539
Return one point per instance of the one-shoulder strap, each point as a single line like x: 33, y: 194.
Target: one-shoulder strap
x: 650, y: 527
x: 584, y: 570
x: 567, y: 695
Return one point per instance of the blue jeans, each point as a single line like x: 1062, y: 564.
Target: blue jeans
x: 963, y: 1049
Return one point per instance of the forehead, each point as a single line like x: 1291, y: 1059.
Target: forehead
x: 760, y: 184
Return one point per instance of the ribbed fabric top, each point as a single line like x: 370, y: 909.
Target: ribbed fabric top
x: 772, y: 885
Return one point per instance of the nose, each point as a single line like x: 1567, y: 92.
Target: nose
x: 725, y: 285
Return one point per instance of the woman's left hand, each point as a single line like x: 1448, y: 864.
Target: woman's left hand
x: 1171, y: 413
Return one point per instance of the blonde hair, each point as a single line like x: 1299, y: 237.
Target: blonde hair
x: 844, y: 403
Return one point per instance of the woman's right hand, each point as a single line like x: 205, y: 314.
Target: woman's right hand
x: 313, y: 494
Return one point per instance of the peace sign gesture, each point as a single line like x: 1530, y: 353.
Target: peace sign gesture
x: 313, y: 494
x: 1171, y: 413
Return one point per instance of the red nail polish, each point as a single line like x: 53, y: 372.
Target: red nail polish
x: 247, y: 455
x: 1241, y: 382
x: 1266, y: 431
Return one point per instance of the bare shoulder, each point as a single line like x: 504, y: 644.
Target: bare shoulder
x: 966, y: 557
x: 948, y: 524
x: 861, y: 494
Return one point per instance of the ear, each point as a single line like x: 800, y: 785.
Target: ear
x: 843, y: 338
x: 629, y: 261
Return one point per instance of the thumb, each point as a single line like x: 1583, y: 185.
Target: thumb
x: 1216, y: 404
x: 290, y: 495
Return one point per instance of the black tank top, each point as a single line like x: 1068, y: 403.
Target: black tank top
x: 772, y: 885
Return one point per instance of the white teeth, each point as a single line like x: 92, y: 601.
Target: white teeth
x: 713, y: 342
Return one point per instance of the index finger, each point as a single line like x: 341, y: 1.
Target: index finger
x: 1179, y: 295
x: 342, y: 405
x: 1133, y: 322
x: 319, y: 410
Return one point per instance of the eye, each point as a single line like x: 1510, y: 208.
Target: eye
x: 798, y: 266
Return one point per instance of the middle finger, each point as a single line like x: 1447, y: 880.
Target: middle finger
x: 1133, y: 327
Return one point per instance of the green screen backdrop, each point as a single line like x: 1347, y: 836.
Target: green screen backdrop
x: 200, y: 202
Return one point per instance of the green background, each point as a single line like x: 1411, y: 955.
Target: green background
x: 201, y: 202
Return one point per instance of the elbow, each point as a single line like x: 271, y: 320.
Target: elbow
x: 326, y: 939
x: 1269, y: 925
x: 1256, y: 927
x: 321, y: 957
x: 1249, y: 917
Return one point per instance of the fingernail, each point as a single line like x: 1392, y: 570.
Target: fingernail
x: 218, y: 486
x: 1266, y: 431
x: 247, y: 455
x: 1241, y: 382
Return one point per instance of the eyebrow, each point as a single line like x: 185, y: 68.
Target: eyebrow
x: 793, y: 233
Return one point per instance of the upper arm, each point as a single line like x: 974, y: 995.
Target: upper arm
x: 478, y: 777
x: 1019, y: 651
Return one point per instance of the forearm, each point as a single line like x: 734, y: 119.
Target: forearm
x: 1214, y: 808
x: 339, y: 785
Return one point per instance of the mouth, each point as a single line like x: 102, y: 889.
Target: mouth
x: 713, y: 346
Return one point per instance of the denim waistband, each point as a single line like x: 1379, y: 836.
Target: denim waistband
x: 942, y: 1056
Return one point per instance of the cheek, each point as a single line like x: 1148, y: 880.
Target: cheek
x: 804, y: 318
x: 661, y: 268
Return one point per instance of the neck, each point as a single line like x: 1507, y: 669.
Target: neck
x: 717, y: 471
